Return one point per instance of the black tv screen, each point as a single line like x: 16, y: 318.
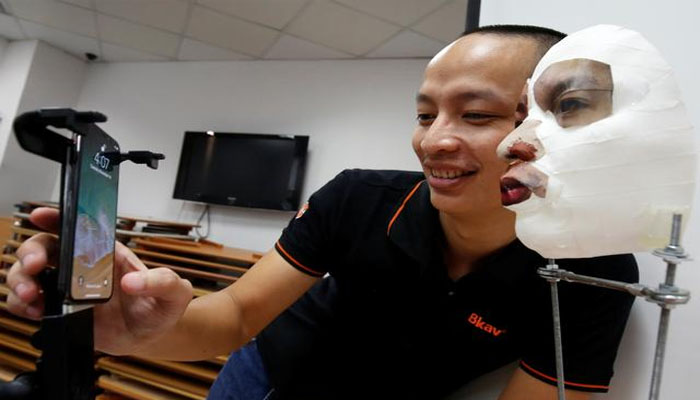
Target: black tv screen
x: 242, y: 169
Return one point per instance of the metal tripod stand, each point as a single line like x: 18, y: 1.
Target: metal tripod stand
x: 666, y: 295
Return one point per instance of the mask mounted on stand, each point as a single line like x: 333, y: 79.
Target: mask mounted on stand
x: 606, y: 155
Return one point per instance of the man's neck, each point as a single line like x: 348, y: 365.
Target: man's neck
x: 470, y: 238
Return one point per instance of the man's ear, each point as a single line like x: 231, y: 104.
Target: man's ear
x: 521, y: 108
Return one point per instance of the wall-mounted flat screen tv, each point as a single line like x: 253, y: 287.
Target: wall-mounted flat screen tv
x: 242, y: 169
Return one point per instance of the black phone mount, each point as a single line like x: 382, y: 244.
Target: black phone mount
x: 65, y: 370
x: 33, y: 134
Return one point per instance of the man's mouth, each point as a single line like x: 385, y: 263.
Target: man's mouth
x: 513, y: 192
x: 448, y: 178
x: 449, y: 173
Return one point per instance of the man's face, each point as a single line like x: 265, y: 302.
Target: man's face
x: 468, y: 102
x: 606, y: 154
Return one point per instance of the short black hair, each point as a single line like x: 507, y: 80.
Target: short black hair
x: 544, y: 37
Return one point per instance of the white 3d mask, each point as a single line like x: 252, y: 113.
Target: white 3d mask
x: 607, y: 153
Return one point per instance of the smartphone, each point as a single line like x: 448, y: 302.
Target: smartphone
x: 88, y: 218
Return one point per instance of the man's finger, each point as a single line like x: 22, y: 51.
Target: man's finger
x: 161, y: 283
x: 21, y: 308
x: 34, y: 254
x: 22, y: 284
x: 127, y: 260
x: 45, y: 218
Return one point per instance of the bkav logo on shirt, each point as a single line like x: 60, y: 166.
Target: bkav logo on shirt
x: 476, y: 320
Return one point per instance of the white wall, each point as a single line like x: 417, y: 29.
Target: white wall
x: 3, y: 46
x: 357, y: 114
x: 672, y: 26
x: 37, y: 75
x: 14, y: 68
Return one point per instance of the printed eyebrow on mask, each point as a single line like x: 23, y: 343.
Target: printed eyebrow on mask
x: 569, y: 76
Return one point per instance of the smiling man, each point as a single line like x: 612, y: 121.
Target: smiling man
x: 428, y: 287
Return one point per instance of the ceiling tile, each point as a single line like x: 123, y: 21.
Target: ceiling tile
x: 341, y: 28
x: 291, y: 48
x: 192, y: 50
x: 230, y: 33
x: 9, y: 28
x: 407, y: 44
x: 446, y: 24
x: 402, y: 12
x: 77, y: 45
x: 164, y: 14
x: 57, y: 15
x: 273, y: 13
x: 81, y: 3
x: 115, y: 53
x: 135, y: 36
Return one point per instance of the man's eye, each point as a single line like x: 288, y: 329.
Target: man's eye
x: 425, y: 118
x: 570, y: 105
x: 476, y: 116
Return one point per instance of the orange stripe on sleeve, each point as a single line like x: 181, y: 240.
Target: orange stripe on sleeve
x: 549, y: 378
x: 311, y: 271
x: 388, y: 229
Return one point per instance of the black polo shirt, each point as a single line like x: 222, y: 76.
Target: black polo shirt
x: 388, y: 322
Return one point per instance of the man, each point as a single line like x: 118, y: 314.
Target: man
x: 428, y: 289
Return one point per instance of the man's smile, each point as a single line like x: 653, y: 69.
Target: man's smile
x: 448, y: 176
x: 449, y: 173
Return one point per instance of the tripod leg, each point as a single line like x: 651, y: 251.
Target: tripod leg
x: 66, y: 367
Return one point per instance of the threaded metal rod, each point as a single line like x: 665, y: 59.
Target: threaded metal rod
x: 556, y: 320
x: 659, y: 354
x: 665, y: 317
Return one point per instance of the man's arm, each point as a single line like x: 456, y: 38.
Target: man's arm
x: 522, y: 386
x: 217, y: 323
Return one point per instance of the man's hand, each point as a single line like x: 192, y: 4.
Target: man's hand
x: 145, y: 303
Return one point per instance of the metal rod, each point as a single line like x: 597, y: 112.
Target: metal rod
x: 556, y: 319
x: 635, y: 289
x: 676, y: 230
x: 665, y: 317
x: 659, y: 354
x: 663, y: 294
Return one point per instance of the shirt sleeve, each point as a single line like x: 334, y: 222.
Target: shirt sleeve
x: 593, y: 320
x: 308, y: 241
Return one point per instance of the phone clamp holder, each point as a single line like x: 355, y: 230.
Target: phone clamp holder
x: 65, y: 370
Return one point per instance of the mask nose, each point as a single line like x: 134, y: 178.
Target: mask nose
x: 522, y: 143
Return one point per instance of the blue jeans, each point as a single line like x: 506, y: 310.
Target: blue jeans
x: 242, y: 378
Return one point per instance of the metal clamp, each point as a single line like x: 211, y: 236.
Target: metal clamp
x: 664, y: 295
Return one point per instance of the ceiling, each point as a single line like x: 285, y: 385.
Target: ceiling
x: 198, y: 30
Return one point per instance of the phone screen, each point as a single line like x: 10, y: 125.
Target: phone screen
x: 95, y: 217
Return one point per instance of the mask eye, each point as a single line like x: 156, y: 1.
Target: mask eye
x: 570, y: 105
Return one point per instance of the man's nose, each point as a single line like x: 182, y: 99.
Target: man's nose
x: 522, y: 143
x: 440, y: 138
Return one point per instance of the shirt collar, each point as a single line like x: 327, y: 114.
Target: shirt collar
x: 415, y: 226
